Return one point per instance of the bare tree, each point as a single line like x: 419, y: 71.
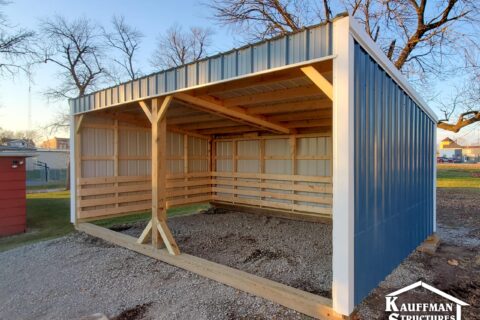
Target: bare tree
x: 177, y: 47
x: 126, y: 40
x: 260, y: 19
x: 15, y: 47
x: 419, y: 37
x: 72, y: 46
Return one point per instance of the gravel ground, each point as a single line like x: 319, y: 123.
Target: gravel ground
x: 77, y: 275
x: 295, y: 253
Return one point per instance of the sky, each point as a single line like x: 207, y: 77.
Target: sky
x: 150, y: 17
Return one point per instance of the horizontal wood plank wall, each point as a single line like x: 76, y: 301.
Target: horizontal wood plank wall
x: 115, y: 162
x: 290, y: 173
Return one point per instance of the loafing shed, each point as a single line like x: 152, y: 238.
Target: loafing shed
x: 316, y: 125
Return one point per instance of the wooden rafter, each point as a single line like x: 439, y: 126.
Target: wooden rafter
x: 261, y: 79
x: 319, y: 80
x: 272, y: 96
x: 293, y: 116
x: 210, y: 124
x: 234, y: 113
x: 289, y: 106
x: 192, y: 119
x: 227, y: 130
x: 183, y: 131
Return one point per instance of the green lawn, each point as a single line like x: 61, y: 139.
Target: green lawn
x: 48, y: 217
x: 458, y: 176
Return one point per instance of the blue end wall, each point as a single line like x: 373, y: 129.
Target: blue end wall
x: 394, y: 161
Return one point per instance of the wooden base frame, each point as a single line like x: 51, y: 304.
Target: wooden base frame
x: 272, y: 212
x: 301, y: 301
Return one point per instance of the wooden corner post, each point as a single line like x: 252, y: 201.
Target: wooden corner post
x: 157, y: 227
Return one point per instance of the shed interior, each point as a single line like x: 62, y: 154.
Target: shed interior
x: 212, y: 156
x: 259, y: 143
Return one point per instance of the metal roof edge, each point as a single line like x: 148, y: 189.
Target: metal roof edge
x: 218, y: 54
x: 248, y: 75
x: 379, y: 56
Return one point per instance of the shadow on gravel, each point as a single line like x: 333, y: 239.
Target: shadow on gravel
x: 135, y: 313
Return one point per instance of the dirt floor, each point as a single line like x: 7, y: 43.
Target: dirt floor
x: 295, y: 253
x: 76, y: 276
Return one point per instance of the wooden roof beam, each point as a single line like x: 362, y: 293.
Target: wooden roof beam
x: 317, y: 104
x: 319, y: 80
x: 272, y: 96
x: 299, y: 115
x: 210, y: 124
x: 176, y: 129
x: 227, y: 130
x: 234, y: 113
x: 193, y: 119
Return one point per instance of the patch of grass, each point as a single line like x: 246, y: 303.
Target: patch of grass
x: 145, y: 216
x: 46, y: 187
x: 48, y: 217
x: 458, y: 176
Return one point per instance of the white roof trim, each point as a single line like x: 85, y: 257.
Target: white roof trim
x: 430, y: 288
x: 379, y: 56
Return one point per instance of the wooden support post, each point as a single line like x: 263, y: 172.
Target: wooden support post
x: 185, y: 160
x: 234, y: 165
x: 78, y: 163
x: 115, y: 160
x: 160, y: 232
x: 262, y: 164
x: 156, y: 178
x: 293, y: 157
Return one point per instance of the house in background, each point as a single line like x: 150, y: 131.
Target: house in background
x: 18, y: 143
x: 471, y: 154
x: 451, y: 150
x: 56, y: 143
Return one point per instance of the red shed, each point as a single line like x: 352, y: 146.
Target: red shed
x: 13, y: 190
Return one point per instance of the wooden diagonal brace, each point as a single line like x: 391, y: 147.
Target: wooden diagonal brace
x: 145, y: 108
x: 319, y: 80
x: 79, y: 123
x: 168, y: 238
x: 146, y: 234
